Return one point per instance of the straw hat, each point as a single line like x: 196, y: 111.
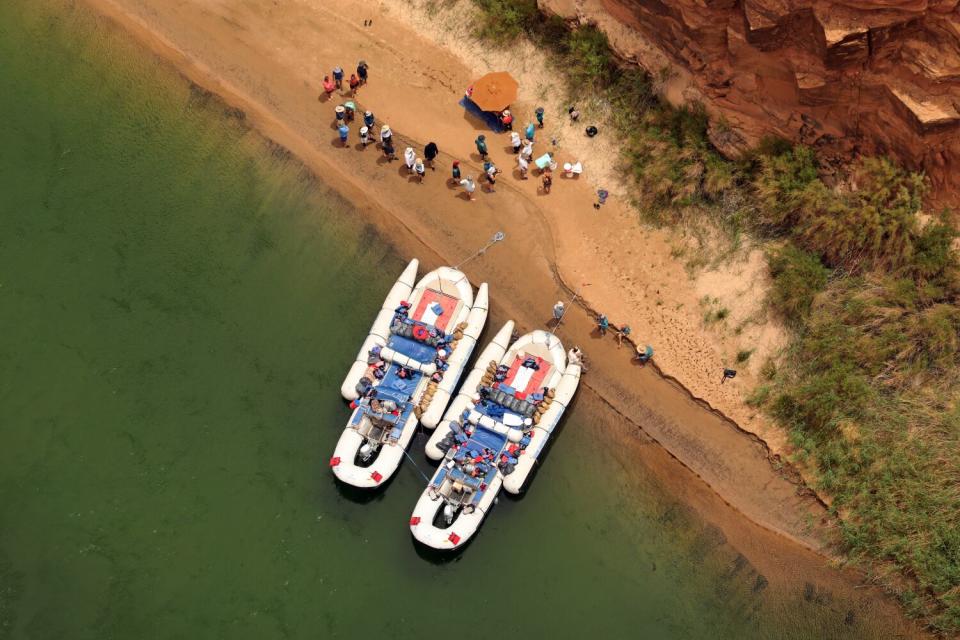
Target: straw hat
x: 339, y: 108
x: 385, y: 129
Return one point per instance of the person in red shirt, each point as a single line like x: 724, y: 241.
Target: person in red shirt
x: 354, y: 83
x: 506, y: 119
x: 328, y: 85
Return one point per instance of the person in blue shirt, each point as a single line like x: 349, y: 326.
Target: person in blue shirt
x: 539, y: 113
x: 623, y: 333
x: 368, y: 119
x: 530, y: 131
x: 603, y: 323
x: 343, y: 130
x: 338, y: 77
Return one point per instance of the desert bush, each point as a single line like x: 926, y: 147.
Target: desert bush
x: 798, y: 276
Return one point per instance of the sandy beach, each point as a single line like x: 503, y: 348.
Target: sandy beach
x: 266, y: 60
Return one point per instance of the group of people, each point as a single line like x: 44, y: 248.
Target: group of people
x: 356, y: 80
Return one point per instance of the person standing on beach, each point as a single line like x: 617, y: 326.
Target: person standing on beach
x: 362, y: 68
x: 481, y: 143
x: 506, y: 120
x: 354, y: 83
x: 385, y: 134
x: 524, y: 167
x: 558, y: 310
x: 344, y: 131
x: 338, y: 77
x: 368, y: 119
x: 547, y: 180
x: 430, y: 152
x: 364, y: 136
x: 420, y: 170
x: 603, y: 323
x: 340, y: 113
x: 328, y: 86
x: 530, y: 131
x: 491, y: 177
x: 455, y: 172
x: 539, y: 114
x: 410, y: 158
x: 515, y: 141
x: 388, y: 151
x: 527, y: 150
x: 573, y: 113
x: 469, y: 186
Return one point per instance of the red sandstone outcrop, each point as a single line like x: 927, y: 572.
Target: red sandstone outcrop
x: 847, y: 76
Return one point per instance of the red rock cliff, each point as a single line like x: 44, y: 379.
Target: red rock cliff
x: 871, y: 76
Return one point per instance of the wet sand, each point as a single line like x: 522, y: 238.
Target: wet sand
x: 266, y: 60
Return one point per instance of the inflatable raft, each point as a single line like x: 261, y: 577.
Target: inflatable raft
x: 406, y: 370
x: 493, y: 433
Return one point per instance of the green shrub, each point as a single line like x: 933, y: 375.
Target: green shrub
x: 798, y: 277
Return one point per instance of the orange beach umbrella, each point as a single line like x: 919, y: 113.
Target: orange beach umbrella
x: 494, y: 91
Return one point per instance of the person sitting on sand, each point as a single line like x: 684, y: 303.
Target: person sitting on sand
x: 419, y: 169
x: 481, y: 143
x: 644, y: 354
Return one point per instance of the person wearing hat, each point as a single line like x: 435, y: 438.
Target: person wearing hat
x: 385, y: 133
x: 455, y: 171
x: 364, y: 136
x: 515, y: 141
x: 481, y: 143
x: 419, y: 169
x: 410, y: 158
x: 368, y: 119
x: 340, y: 112
x: 343, y: 130
x: 539, y: 114
x: 558, y: 310
x: 506, y: 119
x: 349, y: 110
x: 362, y: 71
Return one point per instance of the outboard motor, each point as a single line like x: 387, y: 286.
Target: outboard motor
x: 365, y: 451
x: 448, y: 514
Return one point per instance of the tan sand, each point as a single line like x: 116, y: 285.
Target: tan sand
x: 267, y: 58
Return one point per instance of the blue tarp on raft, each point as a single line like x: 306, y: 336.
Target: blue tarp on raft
x: 412, y: 349
x: 489, y: 118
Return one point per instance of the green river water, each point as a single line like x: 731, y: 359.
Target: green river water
x: 178, y: 303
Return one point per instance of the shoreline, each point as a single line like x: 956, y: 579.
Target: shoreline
x: 410, y: 233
